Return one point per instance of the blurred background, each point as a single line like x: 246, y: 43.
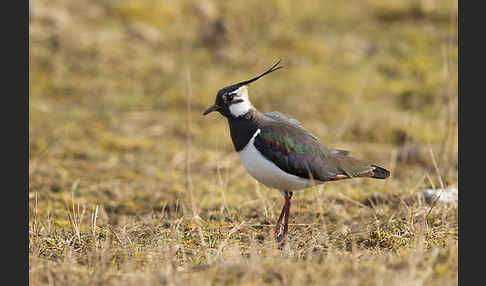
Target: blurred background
x: 129, y: 184
x: 117, y: 89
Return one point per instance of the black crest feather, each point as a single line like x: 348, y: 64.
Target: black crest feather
x: 272, y: 69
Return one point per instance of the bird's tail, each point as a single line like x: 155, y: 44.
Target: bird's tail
x: 378, y: 172
x: 353, y: 167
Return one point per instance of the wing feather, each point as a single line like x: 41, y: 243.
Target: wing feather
x: 299, y: 152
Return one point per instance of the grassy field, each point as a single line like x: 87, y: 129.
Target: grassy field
x: 130, y: 185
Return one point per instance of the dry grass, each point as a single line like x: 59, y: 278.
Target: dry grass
x: 129, y: 184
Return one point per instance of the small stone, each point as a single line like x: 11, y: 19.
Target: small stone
x: 447, y: 196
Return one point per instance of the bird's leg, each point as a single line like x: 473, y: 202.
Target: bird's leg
x: 286, y: 218
x: 283, y: 215
x: 277, y: 225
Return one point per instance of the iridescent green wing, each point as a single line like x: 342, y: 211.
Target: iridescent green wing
x: 296, y: 151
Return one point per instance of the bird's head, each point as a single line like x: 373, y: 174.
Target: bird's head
x: 232, y: 101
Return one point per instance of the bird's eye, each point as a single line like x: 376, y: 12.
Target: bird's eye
x: 229, y: 97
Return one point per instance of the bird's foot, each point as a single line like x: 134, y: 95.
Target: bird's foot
x: 279, y: 238
x: 279, y: 234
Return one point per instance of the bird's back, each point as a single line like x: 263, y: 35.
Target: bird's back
x: 296, y: 151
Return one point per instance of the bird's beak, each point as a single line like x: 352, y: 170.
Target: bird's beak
x: 212, y: 108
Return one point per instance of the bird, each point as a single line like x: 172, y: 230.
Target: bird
x: 279, y: 153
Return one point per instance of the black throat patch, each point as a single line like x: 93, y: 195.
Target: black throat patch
x: 242, y: 129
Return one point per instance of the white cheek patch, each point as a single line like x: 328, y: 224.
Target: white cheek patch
x: 241, y: 108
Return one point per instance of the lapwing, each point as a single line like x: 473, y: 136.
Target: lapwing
x: 278, y: 152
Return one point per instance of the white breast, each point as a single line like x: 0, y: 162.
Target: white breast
x: 267, y: 172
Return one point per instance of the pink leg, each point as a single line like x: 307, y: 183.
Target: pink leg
x: 285, y: 216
